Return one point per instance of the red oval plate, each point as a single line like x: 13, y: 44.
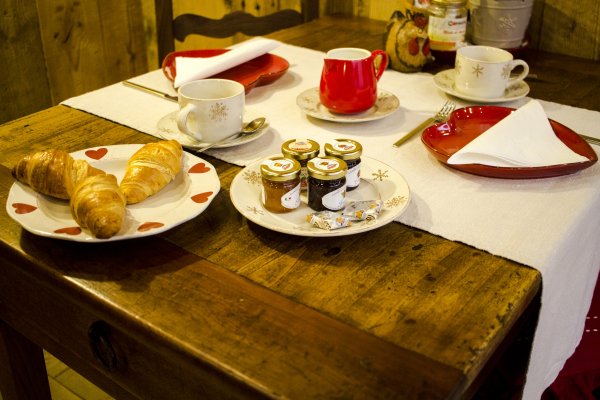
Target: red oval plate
x: 465, y: 124
x: 259, y: 71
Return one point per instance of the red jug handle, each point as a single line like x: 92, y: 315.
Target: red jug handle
x: 382, y: 64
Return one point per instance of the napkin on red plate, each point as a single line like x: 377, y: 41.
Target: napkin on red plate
x: 523, y: 139
x: 192, y: 68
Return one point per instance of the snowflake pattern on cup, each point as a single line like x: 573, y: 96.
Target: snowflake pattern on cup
x: 218, y: 112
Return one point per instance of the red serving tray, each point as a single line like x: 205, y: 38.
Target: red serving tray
x: 465, y: 124
x: 259, y: 71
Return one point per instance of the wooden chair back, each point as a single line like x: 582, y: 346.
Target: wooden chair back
x: 169, y: 29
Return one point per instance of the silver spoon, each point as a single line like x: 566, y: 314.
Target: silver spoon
x: 248, y: 129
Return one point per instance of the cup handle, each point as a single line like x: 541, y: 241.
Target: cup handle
x: 182, y: 117
x: 523, y: 74
x: 382, y: 63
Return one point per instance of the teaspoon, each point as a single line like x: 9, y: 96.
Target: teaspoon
x: 248, y: 129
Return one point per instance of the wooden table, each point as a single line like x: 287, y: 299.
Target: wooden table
x: 223, y: 308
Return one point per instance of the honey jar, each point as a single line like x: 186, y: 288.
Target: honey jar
x: 301, y: 150
x: 349, y: 151
x: 280, y: 184
x: 326, y: 183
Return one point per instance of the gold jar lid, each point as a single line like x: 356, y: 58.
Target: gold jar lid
x: 449, y: 3
x: 300, y: 149
x: 280, y: 169
x: 327, y: 168
x: 346, y: 149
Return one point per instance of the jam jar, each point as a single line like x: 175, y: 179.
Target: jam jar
x: 280, y: 184
x: 326, y: 183
x: 301, y: 150
x: 447, y: 28
x: 349, y: 151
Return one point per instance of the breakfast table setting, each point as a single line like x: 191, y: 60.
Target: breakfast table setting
x: 509, y: 218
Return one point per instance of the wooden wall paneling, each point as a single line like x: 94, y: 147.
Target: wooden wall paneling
x: 571, y: 27
x: 90, y: 44
x: 23, y: 81
x: 149, y: 26
x: 123, y: 38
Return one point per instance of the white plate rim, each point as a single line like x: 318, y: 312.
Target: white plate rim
x: 167, y: 129
x: 53, y: 214
x: 521, y: 88
x: 246, y: 188
x: 308, y: 101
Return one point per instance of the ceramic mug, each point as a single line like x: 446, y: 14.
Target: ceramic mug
x: 485, y: 72
x: 211, y: 109
x: 349, y: 79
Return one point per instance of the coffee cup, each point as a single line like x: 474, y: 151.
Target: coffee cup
x: 485, y: 72
x: 211, y: 109
x: 349, y: 79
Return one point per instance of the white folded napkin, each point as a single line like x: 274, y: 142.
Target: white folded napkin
x: 522, y: 139
x: 192, y: 68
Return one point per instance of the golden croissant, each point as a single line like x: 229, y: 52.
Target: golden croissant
x: 150, y: 169
x: 52, y: 172
x: 98, y: 204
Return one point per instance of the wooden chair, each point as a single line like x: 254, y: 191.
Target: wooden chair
x: 169, y: 29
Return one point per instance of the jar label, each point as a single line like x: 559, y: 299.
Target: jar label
x: 325, y: 164
x: 447, y: 33
x: 292, y: 198
x: 353, y: 176
x: 303, y: 178
x: 334, y: 200
x: 343, y: 146
x: 279, y: 165
x: 300, y: 145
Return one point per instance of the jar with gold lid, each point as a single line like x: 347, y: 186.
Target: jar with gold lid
x: 447, y: 28
x: 350, y: 151
x: 326, y: 183
x: 280, y: 184
x: 301, y: 150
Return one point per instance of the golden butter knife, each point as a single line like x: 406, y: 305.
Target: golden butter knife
x: 590, y: 139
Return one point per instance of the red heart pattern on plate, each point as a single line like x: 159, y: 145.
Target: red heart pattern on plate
x: 201, y: 197
x: 199, y: 168
x: 97, y: 154
x: 71, y: 230
x: 22, y: 208
x: 146, y: 226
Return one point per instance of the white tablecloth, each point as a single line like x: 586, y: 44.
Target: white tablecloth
x: 548, y: 224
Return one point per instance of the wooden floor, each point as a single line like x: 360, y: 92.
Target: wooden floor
x: 66, y: 384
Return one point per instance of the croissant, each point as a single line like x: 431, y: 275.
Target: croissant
x: 150, y: 169
x: 98, y: 204
x: 52, y: 172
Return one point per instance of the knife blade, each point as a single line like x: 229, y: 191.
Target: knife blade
x: 150, y: 90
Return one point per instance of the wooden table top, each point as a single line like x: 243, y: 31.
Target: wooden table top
x: 395, y: 312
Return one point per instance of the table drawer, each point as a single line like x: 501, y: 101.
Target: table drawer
x: 96, y: 345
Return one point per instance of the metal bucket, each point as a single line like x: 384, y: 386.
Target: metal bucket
x: 499, y: 23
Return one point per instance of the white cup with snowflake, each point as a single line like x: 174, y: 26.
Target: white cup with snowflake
x: 211, y: 110
x: 486, y: 72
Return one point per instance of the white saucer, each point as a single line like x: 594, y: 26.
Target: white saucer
x: 309, y: 102
x: 445, y: 81
x: 167, y: 129
x: 378, y: 181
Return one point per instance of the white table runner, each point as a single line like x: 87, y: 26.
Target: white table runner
x: 549, y: 224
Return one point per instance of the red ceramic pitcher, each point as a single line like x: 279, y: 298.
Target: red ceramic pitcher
x: 349, y: 79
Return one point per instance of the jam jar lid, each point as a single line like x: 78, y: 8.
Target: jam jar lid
x: 451, y: 3
x: 280, y: 169
x: 327, y: 168
x: 300, y: 149
x: 346, y: 149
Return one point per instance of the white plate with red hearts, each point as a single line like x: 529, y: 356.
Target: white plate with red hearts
x: 186, y: 197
